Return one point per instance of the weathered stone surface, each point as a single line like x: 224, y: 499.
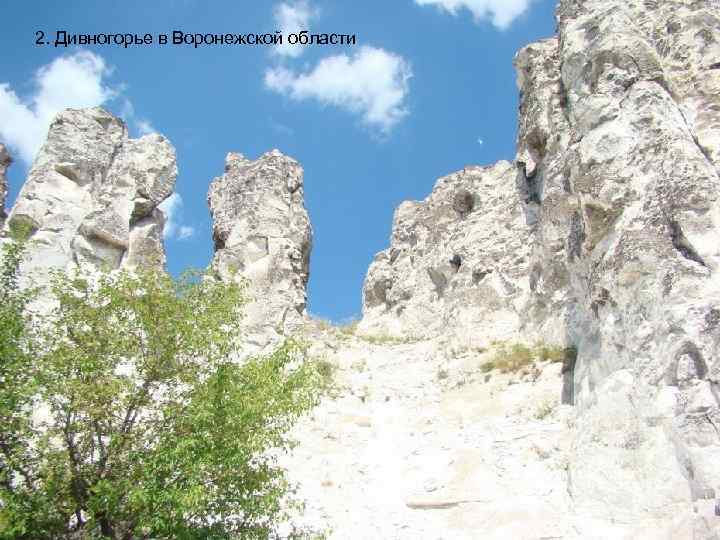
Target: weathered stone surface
x: 642, y: 259
x: 92, y: 194
x: 618, y: 158
x: 457, y: 261
x: 262, y: 235
x: 5, y: 162
x: 420, y: 443
x: 544, y: 134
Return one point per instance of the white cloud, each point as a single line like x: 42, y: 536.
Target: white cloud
x: 172, y: 208
x: 372, y: 83
x: 291, y: 18
x: 73, y: 81
x: 501, y: 12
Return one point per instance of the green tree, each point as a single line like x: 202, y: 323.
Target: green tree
x: 146, y: 426
x: 17, y: 387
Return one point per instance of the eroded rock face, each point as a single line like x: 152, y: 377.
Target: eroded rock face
x: 262, y: 234
x: 5, y: 162
x: 642, y: 256
x: 618, y: 158
x: 92, y: 195
x: 457, y: 261
x: 544, y: 133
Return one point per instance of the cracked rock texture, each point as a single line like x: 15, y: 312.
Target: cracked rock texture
x: 457, y: 261
x: 5, y: 161
x: 92, y: 195
x: 262, y: 235
x: 614, y: 248
x: 634, y: 190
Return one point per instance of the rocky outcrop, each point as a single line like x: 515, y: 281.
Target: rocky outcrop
x: 458, y: 261
x: 641, y: 220
x: 5, y: 162
x: 618, y: 184
x: 92, y: 195
x: 262, y: 235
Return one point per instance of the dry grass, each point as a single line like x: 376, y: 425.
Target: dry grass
x: 348, y: 330
x: 514, y: 357
x: 385, y: 339
x: 544, y: 410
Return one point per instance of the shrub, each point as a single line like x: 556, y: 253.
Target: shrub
x: 509, y: 358
x: 512, y: 357
x: 152, y: 429
x: 555, y: 354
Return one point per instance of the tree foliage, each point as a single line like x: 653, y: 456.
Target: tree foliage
x: 16, y: 381
x: 134, y: 418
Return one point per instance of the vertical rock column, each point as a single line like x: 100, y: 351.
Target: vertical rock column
x: 262, y: 235
x: 92, y: 195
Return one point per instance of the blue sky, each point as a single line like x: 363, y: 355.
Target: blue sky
x: 428, y: 89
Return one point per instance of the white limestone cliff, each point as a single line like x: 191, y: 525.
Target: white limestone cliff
x: 92, y: 195
x: 640, y: 211
x: 457, y: 261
